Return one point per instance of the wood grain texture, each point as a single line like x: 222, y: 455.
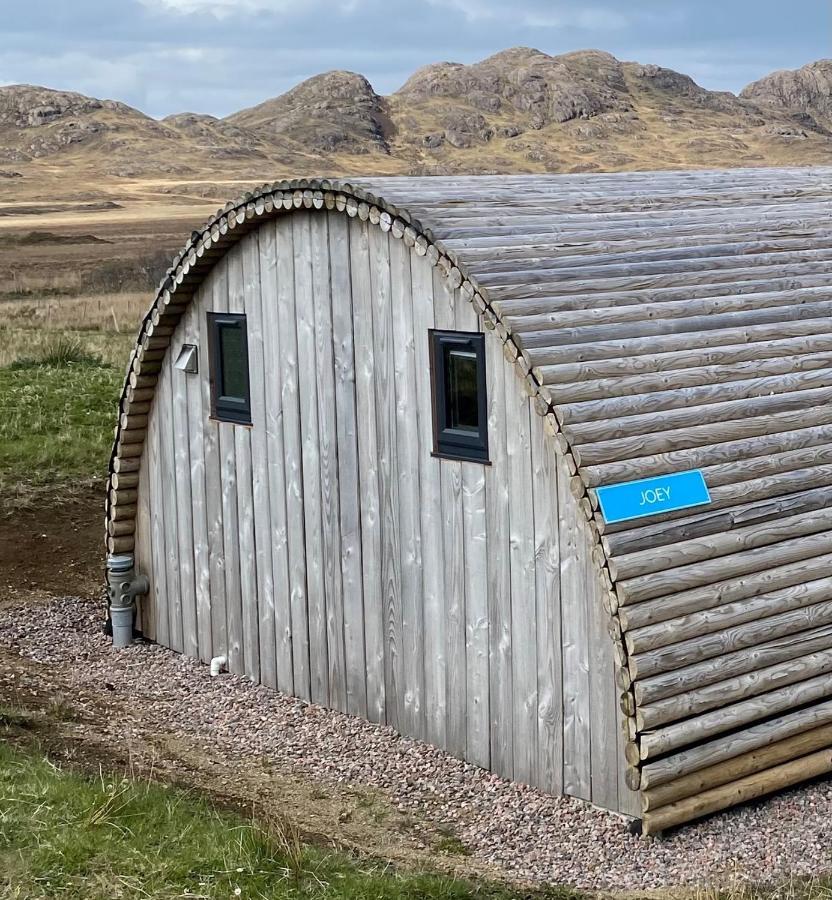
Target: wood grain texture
x: 230, y: 510
x: 196, y: 438
x: 328, y: 460
x: 290, y: 400
x: 717, y: 750
x: 498, y: 502
x: 410, y: 429
x: 740, y: 791
x: 184, y: 510
x: 674, y: 321
x: 274, y: 541
x: 170, y: 510
x: 475, y: 579
x: 577, y: 771
x: 435, y: 659
x: 548, y: 612
x: 348, y: 470
x: 157, y: 570
x: 241, y: 288
x: 385, y: 404
x: 310, y: 460
x: 368, y: 470
x: 523, y: 574
x: 433, y: 636
x: 259, y: 290
x: 147, y: 608
x: 213, y: 298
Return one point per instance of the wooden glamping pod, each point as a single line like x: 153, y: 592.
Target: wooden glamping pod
x: 367, y: 434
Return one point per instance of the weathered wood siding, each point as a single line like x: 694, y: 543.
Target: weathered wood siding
x: 326, y: 552
x: 663, y: 322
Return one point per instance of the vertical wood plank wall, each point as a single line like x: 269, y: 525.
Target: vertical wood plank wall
x: 326, y: 552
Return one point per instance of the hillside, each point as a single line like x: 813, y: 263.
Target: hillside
x: 805, y: 92
x: 522, y: 110
x: 519, y: 110
x: 71, y: 164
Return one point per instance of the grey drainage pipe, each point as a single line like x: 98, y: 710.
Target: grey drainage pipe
x: 124, y: 585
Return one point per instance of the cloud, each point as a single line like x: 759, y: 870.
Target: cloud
x: 74, y: 71
x: 473, y: 10
x: 598, y: 19
x: 219, y: 8
x: 226, y: 9
x: 538, y: 15
x: 192, y: 54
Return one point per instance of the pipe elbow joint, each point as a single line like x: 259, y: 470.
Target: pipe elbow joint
x: 138, y: 586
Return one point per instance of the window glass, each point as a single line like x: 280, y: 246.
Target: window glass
x: 233, y: 362
x: 461, y: 385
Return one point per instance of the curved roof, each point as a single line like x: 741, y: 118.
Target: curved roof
x: 663, y: 322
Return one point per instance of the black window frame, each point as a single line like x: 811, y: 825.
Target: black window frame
x: 224, y: 408
x: 448, y: 442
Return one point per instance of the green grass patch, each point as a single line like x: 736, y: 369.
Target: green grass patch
x: 447, y: 842
x: 61, y: 350
x: 57, y: 415
x: 36, y: 294
x: 63, y: 835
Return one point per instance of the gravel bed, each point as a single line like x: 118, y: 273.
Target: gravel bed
x: 528, y: 835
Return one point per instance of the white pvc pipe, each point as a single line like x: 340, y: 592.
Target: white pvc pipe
x: 218, y: 663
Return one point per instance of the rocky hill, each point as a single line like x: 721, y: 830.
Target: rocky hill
x: 806, y: 92
x: 337, y: 112
x: 518, y: 111
x: 39, y: 124
x: 522, y: 110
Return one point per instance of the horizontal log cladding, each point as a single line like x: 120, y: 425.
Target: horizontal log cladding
x: 749, y: 634
x: 740, y: 791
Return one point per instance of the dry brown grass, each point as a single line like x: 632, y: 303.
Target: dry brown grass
x: 788, y: 889
x: 117, y: 312
x: 103, y: 325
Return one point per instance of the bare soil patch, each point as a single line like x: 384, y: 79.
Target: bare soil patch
x: 49, y: 237
x: 52, y: 545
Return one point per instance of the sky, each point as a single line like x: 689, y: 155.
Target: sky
x: 218, y: 56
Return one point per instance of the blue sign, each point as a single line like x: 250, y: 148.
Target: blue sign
x: 649, y: 496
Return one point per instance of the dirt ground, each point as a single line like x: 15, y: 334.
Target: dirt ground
x: 53, y: 546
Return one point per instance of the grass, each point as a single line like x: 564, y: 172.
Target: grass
x: 62, y: 350
x: 15, y: 716
x: 105, y: 325
x: 18, y: 344
x: 790, y: 889
x: 61, y: 370
x: 57, y: 413
x: 451, y: 845
x: 64, y: 835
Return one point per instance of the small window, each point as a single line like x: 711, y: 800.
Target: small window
x: 228, y: 345
x: 460, y: 413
